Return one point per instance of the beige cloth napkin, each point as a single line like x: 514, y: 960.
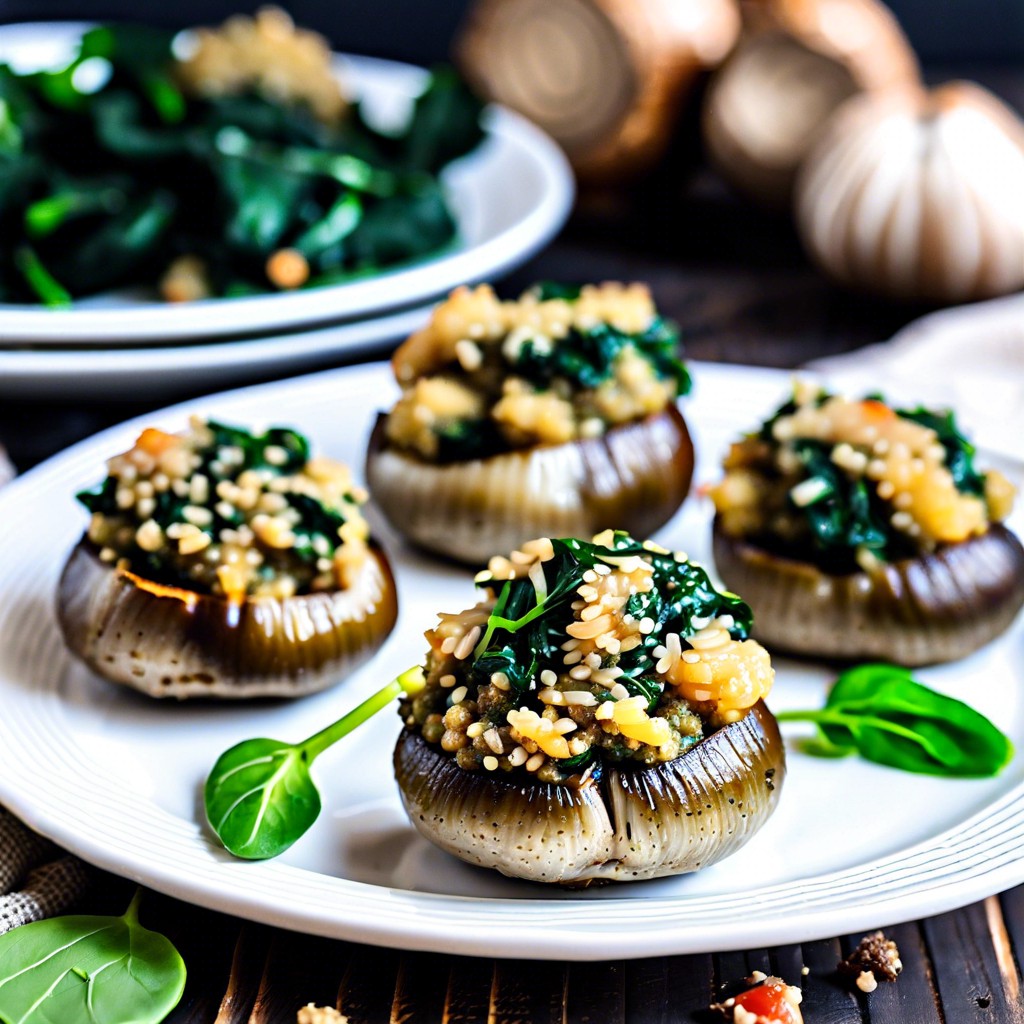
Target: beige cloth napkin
x: 969, y: 359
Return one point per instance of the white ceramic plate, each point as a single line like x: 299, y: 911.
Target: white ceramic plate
x: 509, y: 197
x: 117, y: 778
x: 167, y: 371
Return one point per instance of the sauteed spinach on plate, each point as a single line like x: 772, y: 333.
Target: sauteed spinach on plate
x: 119, y: 170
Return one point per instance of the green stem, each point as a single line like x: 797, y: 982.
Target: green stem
x: 131, y: 915
x: 39, y: 279
x: 411, y: 681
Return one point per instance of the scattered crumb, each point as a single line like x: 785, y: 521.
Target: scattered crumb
x: 866, y: 981
x: 765, y: 1000
x: 805, y: 970
x: 875, y: 959
x: 310, y: 1014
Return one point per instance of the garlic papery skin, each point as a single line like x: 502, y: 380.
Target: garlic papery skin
x: 796, y: 62
x: 918, y: 195
x: 607, y: 79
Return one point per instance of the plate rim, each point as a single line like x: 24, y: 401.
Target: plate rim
x: 23, y: 324
x: 408, y: 919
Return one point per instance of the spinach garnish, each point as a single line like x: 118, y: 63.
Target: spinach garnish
x: 882, y: 713
x: 260, y: 797
x: 104, y: 185
x: 107, y: 970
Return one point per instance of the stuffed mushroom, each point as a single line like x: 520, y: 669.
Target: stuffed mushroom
x: 857, y: 530
x: 597, y: 716
x: 219, y: 563
x: 554, y: 414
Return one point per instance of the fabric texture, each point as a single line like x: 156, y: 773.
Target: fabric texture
x: 37, y: 879
x: 969, y: 359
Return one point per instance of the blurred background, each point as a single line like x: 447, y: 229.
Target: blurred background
x: 941, y: 31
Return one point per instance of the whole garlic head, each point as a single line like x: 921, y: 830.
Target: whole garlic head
x: 796, y: 62
x: 918, y: 195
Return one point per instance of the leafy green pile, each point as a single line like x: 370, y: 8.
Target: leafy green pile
x: 105, y: 188
x: 316, y: 531
x: 845, y: 513
x: 526, y: 629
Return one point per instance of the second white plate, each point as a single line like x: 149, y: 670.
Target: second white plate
x: 509, y: 197
x: 117, y: 778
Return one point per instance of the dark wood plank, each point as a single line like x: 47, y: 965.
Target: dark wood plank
x: 596, y: 993
x: 912, y: 998
x: 420, y: 989
x: 976, y: 980
x: 665, y: 990
x: 825, y: 999
x: 529, y: 992
x: 366, y: 994
x: 470, y: 990
x: 299, y: 969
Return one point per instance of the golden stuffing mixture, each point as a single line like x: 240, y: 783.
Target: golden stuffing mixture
x: 555, y: 365
x: 835, y: 471
x: 219, y: 510
x: 265, y: 52
x: 617, y: 648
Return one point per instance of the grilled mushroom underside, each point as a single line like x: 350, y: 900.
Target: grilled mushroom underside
x: 633, y: 478
x: 625, y: 824
x: 171, y: 642
x: 934, y: 608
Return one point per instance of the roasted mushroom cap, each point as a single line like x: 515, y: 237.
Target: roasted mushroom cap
x: 626, y: 824
x: 170, y: 642
x: 938, y: 607
x: 634, y: 478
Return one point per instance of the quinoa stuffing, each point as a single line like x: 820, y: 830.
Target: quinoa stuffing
x: 851, y: 483
x: 584, y: 652
x: 218, y: 510
x: 560, y: 363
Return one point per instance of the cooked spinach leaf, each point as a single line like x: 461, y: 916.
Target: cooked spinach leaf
x: 105, y: 183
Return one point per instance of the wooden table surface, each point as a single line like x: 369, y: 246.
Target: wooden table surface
x: 739, y: 286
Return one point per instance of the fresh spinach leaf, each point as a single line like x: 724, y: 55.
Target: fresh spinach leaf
x: 107, y: 970
x: 881, y: 712
x: 260, y: 797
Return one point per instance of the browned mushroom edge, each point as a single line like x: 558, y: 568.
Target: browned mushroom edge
x: 170, y: 642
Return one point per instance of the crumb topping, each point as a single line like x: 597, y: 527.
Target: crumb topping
x: 585, y: 651
x: 219, y: 510
x: 557, y: 364
x: 267, y: 54
x: 836, y: 474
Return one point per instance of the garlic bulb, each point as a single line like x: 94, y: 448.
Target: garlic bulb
x: 605, y: 78
x: 918, y: 195
x: 796, y: 62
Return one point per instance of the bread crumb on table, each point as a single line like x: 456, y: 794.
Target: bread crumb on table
x: 311, y: 1014
x: 875, y: 959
